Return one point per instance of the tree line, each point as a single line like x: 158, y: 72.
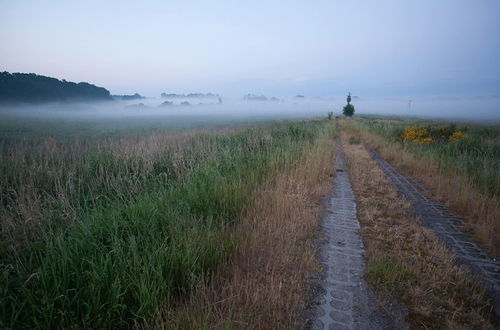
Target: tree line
x: 30, y: 87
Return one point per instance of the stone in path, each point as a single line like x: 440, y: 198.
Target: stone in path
x: 445, y: 224
x: 345, y: 301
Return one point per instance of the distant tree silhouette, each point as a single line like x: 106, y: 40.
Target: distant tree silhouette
x: 135, y: 96
x: 190, y: 95
x: 253, y: 97
x: 348, y: 110
x: 166, y: 103
x: 30, y: 87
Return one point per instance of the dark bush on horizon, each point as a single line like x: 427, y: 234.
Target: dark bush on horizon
x: 348, y: 110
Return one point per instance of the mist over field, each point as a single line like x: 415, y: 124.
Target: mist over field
x: 449, y: 108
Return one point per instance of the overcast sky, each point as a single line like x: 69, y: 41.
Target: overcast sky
x: 318, y: 48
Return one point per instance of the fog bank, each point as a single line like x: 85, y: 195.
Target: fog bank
x: 452, y: 108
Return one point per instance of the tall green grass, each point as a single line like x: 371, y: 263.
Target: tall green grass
x: 97, y: 236
x: 476, y: 155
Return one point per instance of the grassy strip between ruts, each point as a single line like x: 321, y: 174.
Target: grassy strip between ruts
x: 264, y: 284
x: 406, y: 260
x: 126, y: 256
x: 439, y: 173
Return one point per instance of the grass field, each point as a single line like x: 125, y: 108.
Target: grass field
x: 105, y: 226
x: 213, y: 223
x: 266, y: 283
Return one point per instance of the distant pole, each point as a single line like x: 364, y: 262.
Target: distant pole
x: 349, y: 98
x: 409, y: 104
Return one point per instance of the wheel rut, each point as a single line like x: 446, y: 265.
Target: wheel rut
x: 345, y: 301
x: 437, y: 217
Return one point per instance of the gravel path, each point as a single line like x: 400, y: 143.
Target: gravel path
x: 344, y: 300
x: 445, y: 224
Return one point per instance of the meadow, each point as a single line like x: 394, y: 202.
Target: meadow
x: 212, y: 222
x: 103, y: 225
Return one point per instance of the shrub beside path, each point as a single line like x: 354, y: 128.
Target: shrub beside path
x: 345, y: 301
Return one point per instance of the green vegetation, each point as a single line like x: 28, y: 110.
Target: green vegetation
x: 387, y: 273
x: 29, y: 87
x: 348, y: 110
x: 473, y: 150
x: 102, y: 231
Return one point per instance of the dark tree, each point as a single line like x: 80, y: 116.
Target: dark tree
x: 348, y: 110
x: 29, y: 87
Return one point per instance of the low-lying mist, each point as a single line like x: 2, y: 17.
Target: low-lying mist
x: 485, y: 108
x: 240, y: 109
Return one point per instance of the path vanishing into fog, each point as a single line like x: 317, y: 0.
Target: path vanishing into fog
x: 345, y: 301
x: 435, y: 216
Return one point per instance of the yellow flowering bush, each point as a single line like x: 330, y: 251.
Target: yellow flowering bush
x: 422, y: 134
x: 417, y: 134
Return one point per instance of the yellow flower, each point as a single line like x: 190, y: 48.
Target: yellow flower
x: 416, y: 134
x: 456, y: 136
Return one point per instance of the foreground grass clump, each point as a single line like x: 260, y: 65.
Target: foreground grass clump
x: 407, y: 261
x: 105, y: 232
x: 460, y: 170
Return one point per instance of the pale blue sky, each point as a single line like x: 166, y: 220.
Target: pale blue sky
x: 317, y: 48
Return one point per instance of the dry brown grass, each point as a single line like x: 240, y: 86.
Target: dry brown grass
x: 265, y: 284
x: 406, y: 260
x: 481, y: 212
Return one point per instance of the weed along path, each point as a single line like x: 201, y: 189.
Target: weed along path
x: 435, y: 216
x: 345, y: 301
